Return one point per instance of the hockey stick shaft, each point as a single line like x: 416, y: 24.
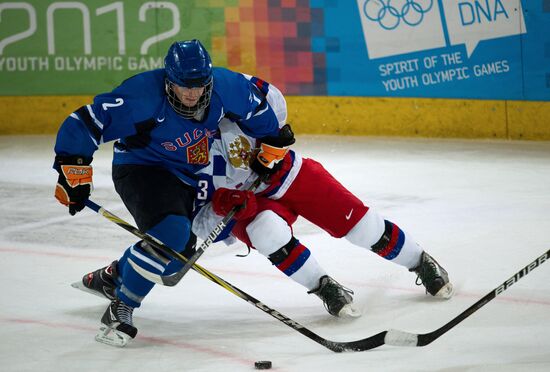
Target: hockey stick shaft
x: 359, y: 345
x: 400, y: 338
x: 173, y: 279
x: 134, y: 230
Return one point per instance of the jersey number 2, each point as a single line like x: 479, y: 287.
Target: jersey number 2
x: 118, y: 102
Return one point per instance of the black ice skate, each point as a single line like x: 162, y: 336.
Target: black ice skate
x: 101, y: 282
x: 433, y: 277
x: 337, y: 299
x: 117, y: 327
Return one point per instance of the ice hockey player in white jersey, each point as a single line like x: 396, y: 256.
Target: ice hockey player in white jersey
x: 301, y: 187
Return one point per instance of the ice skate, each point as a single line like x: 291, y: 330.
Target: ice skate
x: 117, y: 327
x: 101, y: 282
x: 433, y: 277
x: 336, y: 298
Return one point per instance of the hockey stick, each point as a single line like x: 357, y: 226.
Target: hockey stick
x: 173, y: 279
x: 400, y: 338
x: 359, y: 345
x: 390, y: 337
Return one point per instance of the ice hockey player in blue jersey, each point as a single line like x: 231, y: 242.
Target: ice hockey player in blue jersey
x: 163, y: 123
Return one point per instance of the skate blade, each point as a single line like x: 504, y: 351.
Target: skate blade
x: 82, y: 287
x: 446, y: 292
x: 112, y: 337
x: 349, y: 311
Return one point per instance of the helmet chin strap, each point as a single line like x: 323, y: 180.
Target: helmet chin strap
x: 199, y: 114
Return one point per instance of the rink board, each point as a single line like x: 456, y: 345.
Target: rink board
x: 408, y: 117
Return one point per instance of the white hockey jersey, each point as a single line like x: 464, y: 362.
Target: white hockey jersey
x: 231, y: 155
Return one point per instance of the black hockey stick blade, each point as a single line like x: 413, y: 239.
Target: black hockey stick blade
x: 357, y: 346
x: 401, y: 338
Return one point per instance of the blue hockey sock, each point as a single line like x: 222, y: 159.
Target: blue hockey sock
x: 174, y: 232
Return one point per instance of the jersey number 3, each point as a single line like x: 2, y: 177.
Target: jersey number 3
x: 202, y: 193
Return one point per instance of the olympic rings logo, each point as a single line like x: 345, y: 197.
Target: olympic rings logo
x: 389, y: 16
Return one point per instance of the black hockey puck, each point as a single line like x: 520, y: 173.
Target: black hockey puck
x: 263, y: 364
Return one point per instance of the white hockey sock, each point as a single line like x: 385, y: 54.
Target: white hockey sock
x: 309, y: 274
x: 268, y: 233
x: 397, y: 246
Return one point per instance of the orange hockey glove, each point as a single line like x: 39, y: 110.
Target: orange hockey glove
x: 74, y: 184
x: 272, y: 151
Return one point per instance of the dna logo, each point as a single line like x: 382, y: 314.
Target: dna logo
x: 389, y: 13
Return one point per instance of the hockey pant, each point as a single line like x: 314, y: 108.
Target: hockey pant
x: 161, y: 205
x: 317, y: 196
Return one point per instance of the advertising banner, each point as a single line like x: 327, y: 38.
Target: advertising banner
x: 488, y: 49
x: 460, y: 48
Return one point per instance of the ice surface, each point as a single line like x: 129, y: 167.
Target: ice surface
x: 482, y: 208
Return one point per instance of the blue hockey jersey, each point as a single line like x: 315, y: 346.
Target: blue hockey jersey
x: 148, y: 131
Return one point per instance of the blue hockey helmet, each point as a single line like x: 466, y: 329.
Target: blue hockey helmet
x: 188, y: 64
